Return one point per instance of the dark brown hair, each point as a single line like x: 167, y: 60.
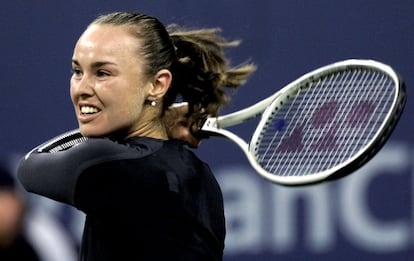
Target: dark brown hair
x: 196, y: 59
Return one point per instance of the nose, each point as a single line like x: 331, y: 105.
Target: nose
x: 83, y: 86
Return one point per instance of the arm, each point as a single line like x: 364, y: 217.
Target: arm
x: 179, y: 125
x: 55, y: 175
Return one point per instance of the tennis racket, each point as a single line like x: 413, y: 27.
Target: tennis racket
x: 322, y: 126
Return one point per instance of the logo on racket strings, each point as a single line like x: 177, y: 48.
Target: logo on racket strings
x: 325, y: 127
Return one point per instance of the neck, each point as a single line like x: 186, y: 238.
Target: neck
x: 149, y: 125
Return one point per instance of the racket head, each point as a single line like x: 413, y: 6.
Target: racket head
x: 327, y: 123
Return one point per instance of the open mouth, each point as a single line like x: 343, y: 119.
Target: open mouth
x: 88, y: 110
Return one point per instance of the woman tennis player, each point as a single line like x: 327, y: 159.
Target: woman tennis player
x: 146, y: 196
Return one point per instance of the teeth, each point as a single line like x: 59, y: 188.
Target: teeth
x: 88, y: 109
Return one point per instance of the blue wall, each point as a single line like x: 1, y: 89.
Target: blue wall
x: 366, y: 216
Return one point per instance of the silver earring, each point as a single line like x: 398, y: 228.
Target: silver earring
x: 153, y: 103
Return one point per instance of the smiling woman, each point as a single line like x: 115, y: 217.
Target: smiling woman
x: 109, y: 89
x: 146, y: 196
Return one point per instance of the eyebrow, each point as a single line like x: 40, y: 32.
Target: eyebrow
x: 95, y: 64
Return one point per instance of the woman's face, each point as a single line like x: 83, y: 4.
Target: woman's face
x: 107, y: 87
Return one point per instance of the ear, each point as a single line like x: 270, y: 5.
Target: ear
x: 161, y: 83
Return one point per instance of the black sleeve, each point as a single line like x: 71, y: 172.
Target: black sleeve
x: 55, y: 175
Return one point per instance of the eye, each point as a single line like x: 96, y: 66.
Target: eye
x: 102, y: 73
x: 76, y: 72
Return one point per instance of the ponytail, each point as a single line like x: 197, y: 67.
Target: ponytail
x: 202, y: 72
x: 196, y: 59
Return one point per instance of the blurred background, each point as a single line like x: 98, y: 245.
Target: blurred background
x: 368, y: 215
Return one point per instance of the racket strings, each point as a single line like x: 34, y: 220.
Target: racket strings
x: 288, y: 157
x: 320, y: 98
x: 325, y: 97
x: 269, y: 153
x: 325, y: 123
x: 367, y: 131
x: 302, y: 114
x: 310, y: 100
x: 346, y: 136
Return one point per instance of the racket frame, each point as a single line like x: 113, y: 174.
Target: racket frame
x: 217, y: 126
